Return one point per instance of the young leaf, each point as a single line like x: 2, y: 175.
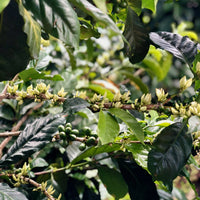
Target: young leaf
x: 57, y: 18
x: 116, y: 186
x: 131, y: 122
x: 34, y: 137
x: 31, y: 73
x: 33, y: 31
x: 14, y: 52
x: 74, y: 104
x: 3, y: 4
x: 181, y: 47
x: 108, y: 127
x: 139, y: 181
x: 95, y: 150
x: 7, y: 193
x: 150, y: 4
x: 137, y: 37
x: 170, y: 152
x: 96, y: 13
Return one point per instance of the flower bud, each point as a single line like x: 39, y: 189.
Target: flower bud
x: 146, y: 99
x: 160, y: 93
x: 184, y: 83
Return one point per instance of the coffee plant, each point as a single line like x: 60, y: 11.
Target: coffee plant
x: 97, y: 101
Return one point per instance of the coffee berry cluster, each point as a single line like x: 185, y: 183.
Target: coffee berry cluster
x: 86, y: 136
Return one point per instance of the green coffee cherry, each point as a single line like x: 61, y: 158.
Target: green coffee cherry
x: 61, y: 128
x: 62, y: 135
x: 68, y: 125
x: 87, y: 131
x: 68, y: 130
x: 123, y: 4
x: 82, y: 147
x: 72, y: 137
x: 91, y: 141
x: 94, y: 134
x: 75, y: 132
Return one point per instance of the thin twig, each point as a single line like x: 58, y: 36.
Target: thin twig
x: 37, y: 185
x: 17, y: 127
x: 7, y: 134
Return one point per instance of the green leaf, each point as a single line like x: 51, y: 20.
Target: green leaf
x: 33, y: 31
x: 181, y: 47
x: 140, y: 153
x: 139, y: 181
x: 95, y: 150
x: 57, y: 18
x: 96, y: 13
x: 101, y: 90
x: 38, y: 162
x: 116, y: 186
x: 3, y: 4
x: 108, y: 127
x: 7, y: 193
x: 33, y: 138
x: 101, y: 5
x: 150, y: 4
x: 170, y: 152
x: 74, y: 104
x: 130, y: 121
x: 137, y: 37
x: 136, y: 80
x: 31, y: 73
x: 14, y: 52
x: 136, y: 5
x: 6, y: 112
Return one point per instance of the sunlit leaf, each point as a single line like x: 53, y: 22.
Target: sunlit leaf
x: 3, y: 4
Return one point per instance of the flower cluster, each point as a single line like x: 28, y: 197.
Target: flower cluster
x: 187, y: 110
x: 39, y: 93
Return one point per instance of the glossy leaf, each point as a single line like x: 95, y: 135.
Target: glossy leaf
x: 139, y: 181
x: 31, y: 73
x: 135, y: 5
x: 181, y: 47
x: 74, y: 104
x: 95, y: 150
x: 139, y: 152
x: 108, y: 127
x: 38, y: 162
x: 96, y: 13
x: 14, y: 52
x: 130, y: 121
x: 136, y: 80
x: 149, y: 4
x: 116, y: 186
x: 33, y: 138
x: 101, y: 5
x: 33, y: 31
x: 170, y: 152
x: 57, y: 18
x: 3, y: 4
x: 8, y: 193
x: 137, y: 37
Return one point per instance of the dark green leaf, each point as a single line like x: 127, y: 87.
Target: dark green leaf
x: 3, y: 4
x: 7, y: 193
x: 14, y: 52
x: 136, y: 80
x: 131, y: 122
x: 34, y: 137
x: 6, y: 112
x: 33, y: 31
x: 31, y: 73
x: 96, y: 150
x: 116, y: 185
x: 139, y: 181
x: 96, y: 13
x: 137, y: 37
x: 170, y: 152
x: 38, y: 162
x: 181, y: 47
x: 73, y: 105
x: 108, y: 128
x: 56, y: 18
